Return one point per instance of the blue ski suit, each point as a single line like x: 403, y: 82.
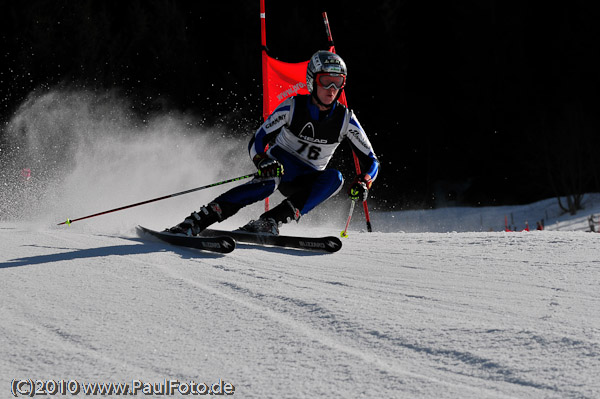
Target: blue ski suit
x: 303, y: 139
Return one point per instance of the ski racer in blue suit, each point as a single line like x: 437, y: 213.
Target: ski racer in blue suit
x: 302, y: 135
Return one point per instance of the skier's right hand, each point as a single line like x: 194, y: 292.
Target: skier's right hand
x: 359, y: 188
x: 358, y: 191
x: 268, y: 167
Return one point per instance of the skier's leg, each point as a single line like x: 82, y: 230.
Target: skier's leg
x: 303, y: 194
x: 238, y: 197
x: 226, y: 205
x: 328, y: 183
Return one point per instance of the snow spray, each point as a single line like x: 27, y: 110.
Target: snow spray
x: 72, y: 152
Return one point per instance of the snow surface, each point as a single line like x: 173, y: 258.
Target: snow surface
x: 430, y: 305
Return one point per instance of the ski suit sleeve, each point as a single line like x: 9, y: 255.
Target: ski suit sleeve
x: 270, y: 128
x: 362, y: 147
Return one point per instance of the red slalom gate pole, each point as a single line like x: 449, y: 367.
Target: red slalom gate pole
x: 345, y: 102
x: 263, y: 44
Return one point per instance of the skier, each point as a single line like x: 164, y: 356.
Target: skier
x: 302, y: 135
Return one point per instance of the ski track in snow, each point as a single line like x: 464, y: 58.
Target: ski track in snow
x: 404, y: 315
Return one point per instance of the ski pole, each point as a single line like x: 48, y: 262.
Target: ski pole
x: 68, y: 221
x: 345, y: 232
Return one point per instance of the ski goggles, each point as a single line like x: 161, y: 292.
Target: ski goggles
x: 329, y: 80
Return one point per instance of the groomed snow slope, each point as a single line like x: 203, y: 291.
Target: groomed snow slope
x: 403, y: 315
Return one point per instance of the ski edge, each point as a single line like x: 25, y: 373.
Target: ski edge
x: 219, y: 243
x: 315, y: 244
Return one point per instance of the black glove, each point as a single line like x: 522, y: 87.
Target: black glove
x: 268, y: 167
x: 359, y: 189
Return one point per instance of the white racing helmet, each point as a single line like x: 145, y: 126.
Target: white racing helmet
x: 325, y: 62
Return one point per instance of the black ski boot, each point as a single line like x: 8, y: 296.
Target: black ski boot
x: 198, y: 221
x: 262, y: 226
x: 269, y: 222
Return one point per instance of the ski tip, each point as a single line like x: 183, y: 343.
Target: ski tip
x: 141, y: 229
x: 144, y: 232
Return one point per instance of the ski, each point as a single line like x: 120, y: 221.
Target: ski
x: 217, y: 243
x: 319, y: 244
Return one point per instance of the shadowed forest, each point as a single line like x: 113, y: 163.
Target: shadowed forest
x: 466, y: 103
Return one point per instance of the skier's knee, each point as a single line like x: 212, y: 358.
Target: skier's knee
x: 334, y: 177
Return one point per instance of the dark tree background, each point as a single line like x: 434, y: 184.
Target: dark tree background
x: 476, y: 102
